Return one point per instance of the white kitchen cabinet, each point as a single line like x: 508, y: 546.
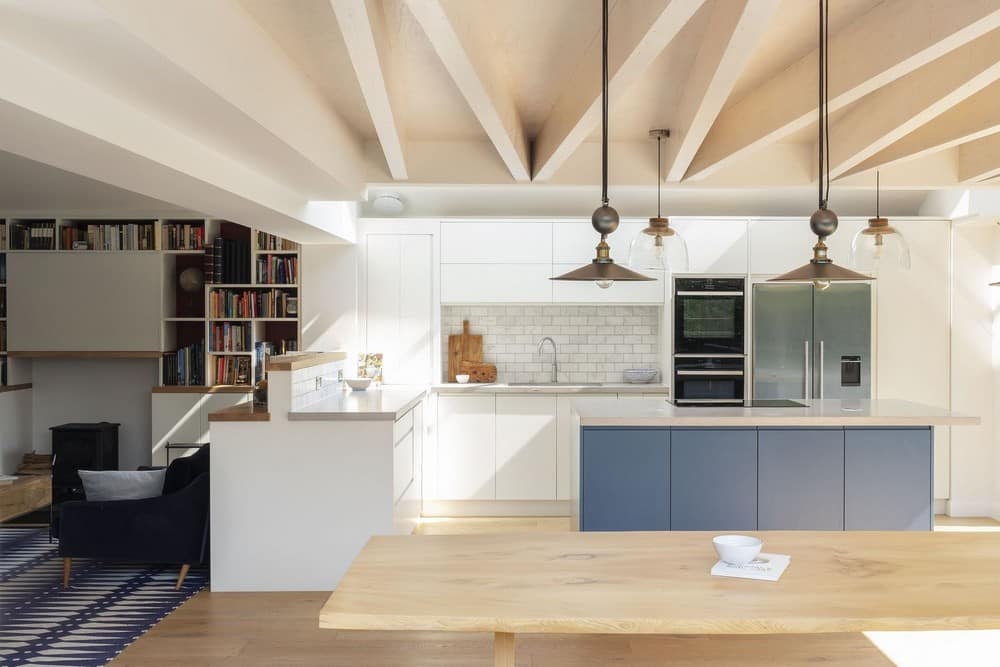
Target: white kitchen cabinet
x: 466, y: 456
x: 526, y: 434
x: 651, y: 292
x: 496, y: 283
x: 714, y: 246
x: 183, y: 418
x: 399, y: 305
x: 777, y: 246
x: 496, y: 242
x: 575, y: 242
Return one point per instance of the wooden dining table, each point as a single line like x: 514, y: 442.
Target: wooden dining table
x: 659, y: 583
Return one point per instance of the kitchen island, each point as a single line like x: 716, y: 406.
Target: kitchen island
x: 829, y: 465
x: 299, y: 487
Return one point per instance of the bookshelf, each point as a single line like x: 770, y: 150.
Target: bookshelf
x: 242, y: 310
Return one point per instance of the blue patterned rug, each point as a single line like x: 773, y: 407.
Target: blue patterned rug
x: 106, y: 607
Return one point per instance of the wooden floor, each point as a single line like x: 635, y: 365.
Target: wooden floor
x: 257, y: 629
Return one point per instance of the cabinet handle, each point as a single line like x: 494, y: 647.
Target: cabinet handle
x: 710, y: 372
x: 821, y: 365
x: 805, y: 375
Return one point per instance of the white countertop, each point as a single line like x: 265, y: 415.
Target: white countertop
x: 388, y: 402
x: 826, y: 412
x: 569, y: 388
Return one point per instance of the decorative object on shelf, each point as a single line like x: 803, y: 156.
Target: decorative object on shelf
x: 602, y: 270
x: 260, y: 393
x: 478, y: 371
x: 35, y: 464
x: 658, y: 247
x: 370, y: 366
x: 191, y: 279
x: 879, y: 243
x: 821, y: 270
x: 465, y: 346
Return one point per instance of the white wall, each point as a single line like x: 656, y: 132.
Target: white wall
x: 329, y: 309
x: 93, y: 390
x: 15, y: 428
x: 972, y: 447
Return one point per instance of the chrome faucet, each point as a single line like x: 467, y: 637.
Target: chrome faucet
x: 555, y: 358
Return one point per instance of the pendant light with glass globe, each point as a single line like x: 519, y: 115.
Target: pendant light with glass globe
x: 658, y: 247
x: 879, y: 244
x: 602, y: 270
x: 821, y: 270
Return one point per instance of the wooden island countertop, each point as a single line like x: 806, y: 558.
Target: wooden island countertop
x: 244, y: 412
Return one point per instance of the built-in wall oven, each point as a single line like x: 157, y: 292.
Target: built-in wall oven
x: 709, y: 349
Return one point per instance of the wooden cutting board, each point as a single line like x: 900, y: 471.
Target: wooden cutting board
x: 463, y: 347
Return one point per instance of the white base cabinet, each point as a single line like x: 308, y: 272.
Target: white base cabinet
x: 466, y: 452
x: 526, y: 435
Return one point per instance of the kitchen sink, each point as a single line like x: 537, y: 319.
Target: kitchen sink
x: 555, y: 384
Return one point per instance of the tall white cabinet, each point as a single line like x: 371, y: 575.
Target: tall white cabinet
x: 399, y: 305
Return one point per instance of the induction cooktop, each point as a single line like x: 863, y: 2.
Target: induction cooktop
x: 755, y: 403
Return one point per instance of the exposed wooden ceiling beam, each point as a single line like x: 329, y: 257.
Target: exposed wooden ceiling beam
x: 734, y: 29
x: 895, y: 110
x: 979, y: 160
x: 362, y: 26
x: 638, y: 33
x: 893, y: 39
x: 220, y: 45
x: 481, y: 86
x: 974, y: 118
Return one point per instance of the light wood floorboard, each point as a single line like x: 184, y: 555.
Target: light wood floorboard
x: 258, y: 629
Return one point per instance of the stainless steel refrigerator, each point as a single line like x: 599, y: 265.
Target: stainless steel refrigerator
x: 810, y: 343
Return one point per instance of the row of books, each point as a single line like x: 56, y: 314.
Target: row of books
x: 31, y: 236
x: 3, y: 336
x: 227, y: 261
x: 100, y: 236
x: 232, y: 370
x: 3, y: 268
x: 224, y: 303
x: 267, y: 241
x: 183, y: 236
x: 3, y: 302
x: 3, y: 236
x: 277, y: 270
x: 227, y: 337
x: 3, y: 371
x: 186, y: 366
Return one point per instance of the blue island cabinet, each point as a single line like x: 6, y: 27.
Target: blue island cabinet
x: 801, y: 478
x: 625, y: 474
x: 887, y: 479
x: 713, y: 479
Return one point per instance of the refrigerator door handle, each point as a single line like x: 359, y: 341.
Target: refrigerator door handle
x: 805, y: 375
x: 821, y: 364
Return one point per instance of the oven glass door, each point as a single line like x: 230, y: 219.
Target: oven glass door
x: 720, y: 389
x: 708, y: 323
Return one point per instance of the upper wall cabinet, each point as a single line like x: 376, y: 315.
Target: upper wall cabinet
x: 496, y: 283
x: 111, y: 301
x: 714, y: 246
x: 574, y: 242
x: 496, y: 243
x: 777, y: 246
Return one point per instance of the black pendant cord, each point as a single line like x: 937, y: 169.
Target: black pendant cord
x: 658, y: 175
x: 604, y: 107
x: 878, y: 187
x: 826, y: 93
x: 821, y: 143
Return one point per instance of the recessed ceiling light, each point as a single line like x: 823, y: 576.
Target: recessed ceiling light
x: 387, y: 204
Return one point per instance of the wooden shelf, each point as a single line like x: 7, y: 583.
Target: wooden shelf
x: 276, y: 252
x: 14, y: 387
x: 298, y: 360
x: 253, y: 319
x: 248, y: 285
x: 183, y: 252
x: 219, y: 353
x: 85, y: 354
x: 201, y: 389
x: 183, y: 319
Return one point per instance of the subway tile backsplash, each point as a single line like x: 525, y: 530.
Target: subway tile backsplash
x: 595, y: 343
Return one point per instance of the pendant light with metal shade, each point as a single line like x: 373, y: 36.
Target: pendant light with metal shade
x: 602, y: 269
x: 821, y: 270
x: 879, y: 243
x: 658, y: 247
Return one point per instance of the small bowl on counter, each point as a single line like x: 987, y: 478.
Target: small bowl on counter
x: 462, y: 379
x: 359, y: 384
x: 640, y: 375
x: 737, y: 549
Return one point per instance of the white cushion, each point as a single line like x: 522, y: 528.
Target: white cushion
x: 122, y: 484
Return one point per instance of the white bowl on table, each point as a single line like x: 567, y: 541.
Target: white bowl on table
x: 359, y: 384
x: 462, y: 379
x: 737, y: 549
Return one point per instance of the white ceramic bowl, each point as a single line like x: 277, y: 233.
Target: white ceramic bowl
x: 737, y: 549
x: 359, y: 384
x: 462, y: 379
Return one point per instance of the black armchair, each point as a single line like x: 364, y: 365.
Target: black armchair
x: 171, y: 528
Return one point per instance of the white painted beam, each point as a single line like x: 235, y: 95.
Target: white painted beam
x: 972, y: 119
x: 362, y: 26
x: 220, y: 45
x: 477, y: 79
x: 979, y: 160
x: 734, y: 30
x: 893, y: 39
x: 637, y: 33
x: 106, y: 139
x: 895, y: 110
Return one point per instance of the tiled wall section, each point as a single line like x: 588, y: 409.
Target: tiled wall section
x: 596, y: 343
x: 306, y: 390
